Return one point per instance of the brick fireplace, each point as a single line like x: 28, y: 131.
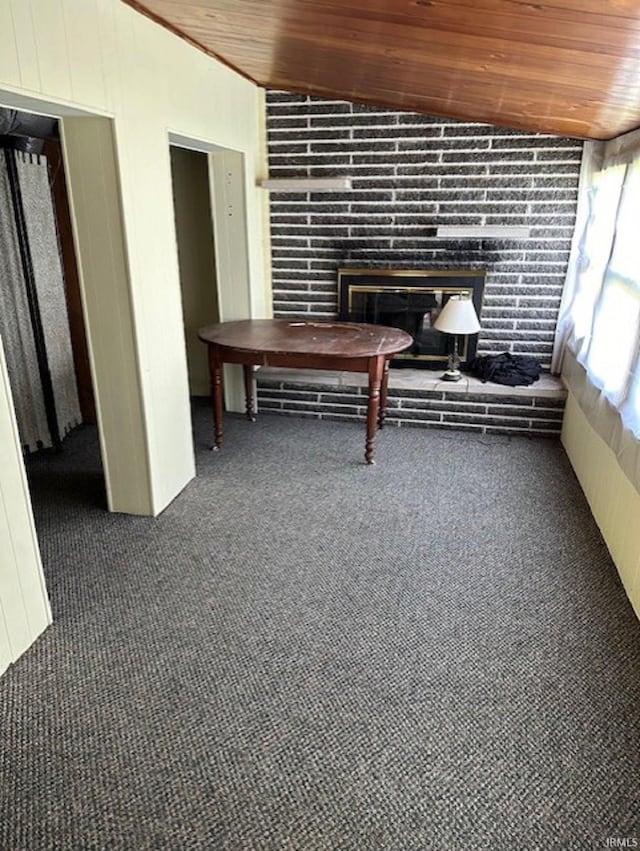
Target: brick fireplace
x: 410, y: 174
x: 411, y: 299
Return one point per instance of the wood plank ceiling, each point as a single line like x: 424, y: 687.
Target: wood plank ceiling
x: 570, y: 67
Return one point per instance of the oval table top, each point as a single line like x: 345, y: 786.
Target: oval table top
x: 285, y: 336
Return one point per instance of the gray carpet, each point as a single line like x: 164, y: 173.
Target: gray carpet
x: 306, y: 653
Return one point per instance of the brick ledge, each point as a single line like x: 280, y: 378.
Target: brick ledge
x: 547, y: 386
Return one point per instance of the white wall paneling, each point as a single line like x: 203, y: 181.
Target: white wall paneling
x: 93, y: 188
x: 614, y: 501
x: 24, y: 606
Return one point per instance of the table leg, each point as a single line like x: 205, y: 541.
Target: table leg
x: 376, y: 368
x: 248, y: 391
x: 215, y: 371
x: 382, y: 413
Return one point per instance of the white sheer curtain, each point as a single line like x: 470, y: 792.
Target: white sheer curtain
x: 610, y: 351
x: 579, y: 260
x: 598, y: 338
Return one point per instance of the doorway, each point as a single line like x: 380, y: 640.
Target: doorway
x: 196, y: 258
x: 227, y: 198
x: 41, y: 318
x: 44, y: 374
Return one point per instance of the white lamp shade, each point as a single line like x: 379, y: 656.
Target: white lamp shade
x: 458, y: 316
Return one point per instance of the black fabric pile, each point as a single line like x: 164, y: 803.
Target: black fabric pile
x: 506, y: 369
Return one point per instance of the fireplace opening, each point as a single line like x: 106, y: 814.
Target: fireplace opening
x: 411, y: 299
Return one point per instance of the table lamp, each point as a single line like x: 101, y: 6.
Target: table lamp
x: 458, y: 316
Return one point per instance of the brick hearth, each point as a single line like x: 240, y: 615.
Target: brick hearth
x: 417, y: 397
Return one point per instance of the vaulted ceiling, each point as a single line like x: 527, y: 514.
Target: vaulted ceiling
x: 570, y: 67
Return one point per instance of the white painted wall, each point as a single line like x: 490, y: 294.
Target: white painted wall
x: 92, y: 176
x: 24, y: 606
x: 100, y: 58
x: 614, y: 501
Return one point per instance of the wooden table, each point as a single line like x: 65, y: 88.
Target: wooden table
x: 350, y: 346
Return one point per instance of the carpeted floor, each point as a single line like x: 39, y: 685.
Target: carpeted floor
x: 306, y: 653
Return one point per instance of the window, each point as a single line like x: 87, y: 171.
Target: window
x: 604, y: 199
x: 606, y: 310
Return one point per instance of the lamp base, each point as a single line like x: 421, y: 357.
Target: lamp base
x: 452, y: 375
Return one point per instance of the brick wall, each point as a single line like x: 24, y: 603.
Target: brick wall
x: 411, y: 173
